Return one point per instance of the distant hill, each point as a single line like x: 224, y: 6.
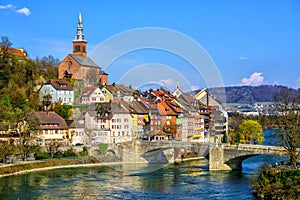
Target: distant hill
x: 250, y: 94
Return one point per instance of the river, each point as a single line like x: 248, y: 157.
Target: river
x: 189, y: 180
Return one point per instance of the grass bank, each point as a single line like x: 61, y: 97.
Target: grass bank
x: 18, y: 168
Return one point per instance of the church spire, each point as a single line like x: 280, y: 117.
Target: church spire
x: 79, y: 34
x: 79, y: 43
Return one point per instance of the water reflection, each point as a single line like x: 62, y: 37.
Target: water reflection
x: 182, y: 181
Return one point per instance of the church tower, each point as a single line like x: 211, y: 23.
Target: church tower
x: 78, y: 65
x: 79, y: 43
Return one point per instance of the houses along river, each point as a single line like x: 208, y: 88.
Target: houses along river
x: 190, y: 180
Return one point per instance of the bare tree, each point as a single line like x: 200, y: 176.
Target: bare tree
x: 288, y: 122
x: 5, y: 42
x: 6, y: 149
x: 26, y: 128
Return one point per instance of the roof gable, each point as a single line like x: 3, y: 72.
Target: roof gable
x: 90, y: 90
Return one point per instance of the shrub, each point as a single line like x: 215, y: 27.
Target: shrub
x: 277, y: 184
x: 69, y: 153
x: 58, y: 154
x: 41, y: 155
x: 103, y: 148
x: 84, y: 151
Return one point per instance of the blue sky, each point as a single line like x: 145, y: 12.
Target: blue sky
x: 251, y: 42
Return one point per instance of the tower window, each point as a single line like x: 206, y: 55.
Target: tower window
x: 77, y: 48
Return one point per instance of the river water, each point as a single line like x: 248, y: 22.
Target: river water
x: 189, y: 180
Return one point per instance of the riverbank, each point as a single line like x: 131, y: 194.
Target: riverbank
x: 40, y: 165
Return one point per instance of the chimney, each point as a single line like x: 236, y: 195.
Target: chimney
x: 207, y: 98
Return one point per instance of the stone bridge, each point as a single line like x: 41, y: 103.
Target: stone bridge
x: 227, y: 157
x: 221, y: 157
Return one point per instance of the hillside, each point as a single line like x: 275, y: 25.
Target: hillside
x: 251, y: 94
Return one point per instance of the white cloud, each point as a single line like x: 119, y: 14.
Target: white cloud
x: 255, y: 79
x: 8, y: 6
x: 24, y: 11
x: 167, y: 82
x: 243, y: 58
x: 195, y: 87
x: 11, y: 8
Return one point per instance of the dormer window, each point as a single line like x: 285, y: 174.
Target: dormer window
x: 63, y: 85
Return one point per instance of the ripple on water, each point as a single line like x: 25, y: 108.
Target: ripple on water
x: 183, y: 181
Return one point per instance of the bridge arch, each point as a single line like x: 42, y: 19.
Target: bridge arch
x: 228, y: 157
x: 236, y: 163
x: 111, y: 151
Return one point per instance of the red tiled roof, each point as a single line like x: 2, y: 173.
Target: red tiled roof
x: 175, y: 107
x: 87, y: 91
x: 60, y: 84
x: 16, y: 52
x: 164, y: 109
x: 48, y: 120
x: 162, y: 93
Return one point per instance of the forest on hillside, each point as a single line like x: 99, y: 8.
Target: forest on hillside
x: 251, y: 94
x: 23, y: 76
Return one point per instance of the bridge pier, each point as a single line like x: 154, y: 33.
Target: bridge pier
x: 216, y: 159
